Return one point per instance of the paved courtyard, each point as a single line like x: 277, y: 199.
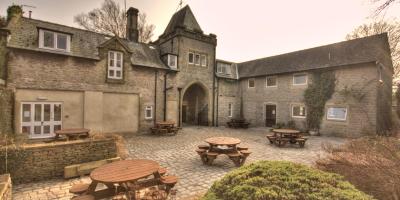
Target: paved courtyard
x: 177, y: 153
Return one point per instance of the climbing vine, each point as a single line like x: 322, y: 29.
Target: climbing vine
x: 316, y: 96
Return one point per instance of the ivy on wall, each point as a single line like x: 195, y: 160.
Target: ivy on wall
x: 316, y: 96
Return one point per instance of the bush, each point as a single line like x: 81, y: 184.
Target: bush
x: 372, y: 164
x: 266, y: 180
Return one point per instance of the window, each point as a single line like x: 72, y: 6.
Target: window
x: 251, y: 83
x: 172, y: 61
x: 197, y: 59
x: 148, y: 112
x: 223, y: 68
x: 191, y: 58
x: 337, y: 113
x: 115, y: 65
x: 300, y: 79
x: 53, y: 40
x: 230, y: 110
x: 298, y: 111
x: 271, y: 81
x: 204, y: 60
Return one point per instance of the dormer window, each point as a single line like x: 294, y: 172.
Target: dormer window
x: 172, y: 61
x: 115, y: 65
x: 224, y: 68
x: 54, y: 40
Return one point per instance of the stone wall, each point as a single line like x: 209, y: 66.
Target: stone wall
x: 228, y: 92
x: 35, y: 162
x: 5, y: 187
x: 6, y: 111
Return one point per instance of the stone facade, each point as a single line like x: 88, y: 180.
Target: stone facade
x: 5, y: 187
x: 45, y: 161
x: 190, y: 91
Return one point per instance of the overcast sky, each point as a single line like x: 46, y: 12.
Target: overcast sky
x: 246, y: 29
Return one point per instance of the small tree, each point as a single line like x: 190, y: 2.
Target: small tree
x: 378, y: 27
x: 111, y: 19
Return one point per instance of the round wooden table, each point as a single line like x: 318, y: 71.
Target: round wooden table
x: 228, y: 141
x: 124, y: 171
x: 286, y: 131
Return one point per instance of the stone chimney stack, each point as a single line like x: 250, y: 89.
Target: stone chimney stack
x: 132, y: 32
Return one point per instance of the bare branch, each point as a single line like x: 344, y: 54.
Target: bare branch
x: 383, y: 6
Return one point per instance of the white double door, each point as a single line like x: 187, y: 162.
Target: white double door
x: 41, y: 119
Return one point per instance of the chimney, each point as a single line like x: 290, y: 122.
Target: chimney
x: 132, y: 32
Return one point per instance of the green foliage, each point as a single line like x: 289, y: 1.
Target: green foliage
x: 316, y: 96
x: 353, y: 93
x: 13, y: 11
x: 282, y: 180
x: 279, y: 125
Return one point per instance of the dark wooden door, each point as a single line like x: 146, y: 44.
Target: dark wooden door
x: 184, y: 109
x: 270, y: 115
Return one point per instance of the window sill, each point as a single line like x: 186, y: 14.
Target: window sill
x: 115, y: 81
x: 298, y: 117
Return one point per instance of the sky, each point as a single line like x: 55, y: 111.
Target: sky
x: 245, y: 30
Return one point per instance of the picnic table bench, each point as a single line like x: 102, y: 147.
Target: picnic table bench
x: 73, y: 133
x: 165, y: 127
x: 125, y: 177
x: 238, y: 123
x: 283, y: 136
x: 223, y: 145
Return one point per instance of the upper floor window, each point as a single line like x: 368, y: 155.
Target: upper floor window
x: 223, y: 68
x: 298, y: 111
x: 300, y: 79
x: 191, y: 58
x: 337, y: 113
x: 197, y: 59
x: 172, y: 61
x: 54, y: 40
x: 148, y: 112
x: 203, y: 60
x: 115, y: 65
x: 271, y: 81
x: 251, y: 83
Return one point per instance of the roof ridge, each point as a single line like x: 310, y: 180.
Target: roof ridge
x: 335, y: 43
x: 58, y: 24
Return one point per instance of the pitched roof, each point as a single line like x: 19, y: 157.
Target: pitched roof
x: 184, y: 18
x: 368, y: 49
x: 84, y: 43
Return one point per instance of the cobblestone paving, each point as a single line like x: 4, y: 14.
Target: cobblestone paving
x: 178, y: 155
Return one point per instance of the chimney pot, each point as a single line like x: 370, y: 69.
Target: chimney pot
x: 132, y: 32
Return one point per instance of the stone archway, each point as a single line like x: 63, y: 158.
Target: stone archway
x: 195, y: 106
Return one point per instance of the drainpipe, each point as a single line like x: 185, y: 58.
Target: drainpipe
x: 165, y: 96
x: 155, y: 96
x: 213, y: 88
x: 216, y: 120
x: 179, y: 106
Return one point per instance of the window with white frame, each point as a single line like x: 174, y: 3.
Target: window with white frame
x: 223, y: 68
x: 230, y: 109
x: 115, y: 65
x: 203, y: 60
x: 300, y: 79
x: 191, y: 58
x: 197, y: 59
x: 54, y: 40
x: 251, y: 83
x: 271, y: 81
x: 337, y: 113
x: 172, y: 61
x: 298, y: 111
x: 148, y: 112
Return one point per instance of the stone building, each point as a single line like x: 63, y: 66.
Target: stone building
x: 64, y: 77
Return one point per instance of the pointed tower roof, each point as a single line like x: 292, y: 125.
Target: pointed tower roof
x: 184, y: 18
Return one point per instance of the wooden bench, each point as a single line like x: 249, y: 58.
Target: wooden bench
x: 203, y: 146
x: 236, y: 158
x: 239, y: 148
x: 79, y: 188
x: 238, y: 123
x: 169, y: 182
x: 271, y: 138
x: 211, y: 156
x: 162, y: 171
x: 301, y: 141
x: 282, y: 141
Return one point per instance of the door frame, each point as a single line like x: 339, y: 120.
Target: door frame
x: 265, y: 110
x: 42, y: 123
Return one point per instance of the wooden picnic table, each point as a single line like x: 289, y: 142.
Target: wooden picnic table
x: 165, y: 127
x: 121, y: 173
x: 282, y: 136
x: 223, y: 145
x: 73, y: 133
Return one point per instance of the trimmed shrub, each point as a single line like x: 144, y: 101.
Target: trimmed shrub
x: 278, y: 180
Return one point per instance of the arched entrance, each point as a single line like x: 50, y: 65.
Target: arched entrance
x: 195, y: 105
